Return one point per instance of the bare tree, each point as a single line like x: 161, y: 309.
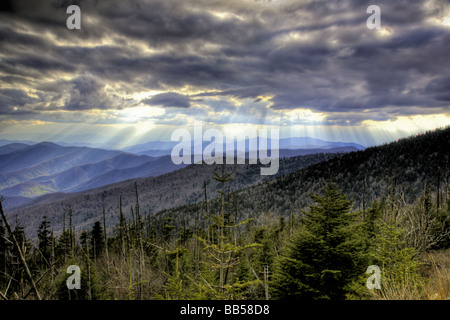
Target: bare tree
x: 424, y: 230
x: 19, y: 250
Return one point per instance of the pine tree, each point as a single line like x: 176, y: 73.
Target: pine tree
x: 325, y: 256
x: 371, y: 216
x: 97, y: 239
x: 398, y: 262
x: 45, y: 239
x: 63, y: 245
x: 223, y: 252
x: 90, y: 287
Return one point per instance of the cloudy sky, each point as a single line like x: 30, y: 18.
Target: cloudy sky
x: 137, y: 70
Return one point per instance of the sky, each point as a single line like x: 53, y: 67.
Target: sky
x: 137, y: 70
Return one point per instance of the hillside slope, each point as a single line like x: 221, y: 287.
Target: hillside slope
x: 404, y: 167
x: 31, y: 171
x: 169, y: 190
x: 43, y: 159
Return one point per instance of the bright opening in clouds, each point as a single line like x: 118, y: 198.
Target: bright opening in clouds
x: 137, y: 70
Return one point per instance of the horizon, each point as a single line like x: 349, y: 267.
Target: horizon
x: 192, y: 140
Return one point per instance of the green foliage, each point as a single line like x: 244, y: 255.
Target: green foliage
x: 97, y: 239
x: 167, y: 228
x: 265, y: 254
x: 388, y: 249
x: 324, y: 257
x: 174, y: 288
x: 45, y: 239
x: 91, y: 283
x: 62, y: 248
x: 398, y: 263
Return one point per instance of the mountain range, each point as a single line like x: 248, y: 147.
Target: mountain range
x: 46, y: 178
x: 30, y: 170
x: 176, y: 188
x: 288, y: 147
x: 27, y: 171
x: 403, y: 168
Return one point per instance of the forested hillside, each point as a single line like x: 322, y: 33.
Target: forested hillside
x: 298, y: 236
x: 180, y: 187
x: 399, y: 172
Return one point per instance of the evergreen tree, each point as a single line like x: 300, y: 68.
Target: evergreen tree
x: 45, y: 239
x: 90, y: 286
x: 63, y: 245
x: 372, y: 215
x: 167, y: 229
x: 398, y: 262
x: 97, y: 239
x: 84, y: 239
x: 324, y: 257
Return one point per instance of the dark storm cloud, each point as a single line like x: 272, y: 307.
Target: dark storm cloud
x: 439, y: 88
x: 12, y: 101
x: 169, y: 99
x: 302, y: 54
x: 243, y: 92
x: 87, y: 92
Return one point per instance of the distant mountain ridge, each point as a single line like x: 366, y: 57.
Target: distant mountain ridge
x: 27, y: 171
x: 31, y: 170
x: 304, y: 145
x: 4, y: 142
x: 12, y: 147
x: 55, y: 157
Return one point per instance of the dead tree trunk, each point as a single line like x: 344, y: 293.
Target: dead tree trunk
x: 22, y: 258
x: 104, y: 234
